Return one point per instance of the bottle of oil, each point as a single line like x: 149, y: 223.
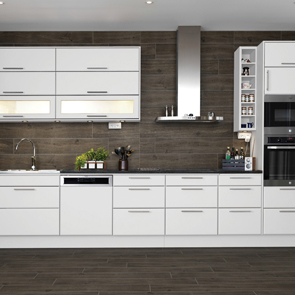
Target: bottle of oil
x: 227, y: 154
x: 242, y: 155
x: 237, y: 156
x: 232, y: 154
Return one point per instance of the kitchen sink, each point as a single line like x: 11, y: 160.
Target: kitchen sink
x: 29, y: 171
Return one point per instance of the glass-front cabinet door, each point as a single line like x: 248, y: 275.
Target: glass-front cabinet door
x: 97, y: 108
x: 16, y: 108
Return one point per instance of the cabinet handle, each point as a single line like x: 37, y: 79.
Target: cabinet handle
x: 96, y: 68
x: 24, y: 189
x: 239, y: 189
x: 267, y: 80
x: 185, y: 177
x: 191, y: 189
x: 97, y: 92
x: 191, y: 211
x: 287, y: 189
x: 242, y: 211
x: 139, y: 189
x: 12, y: 116
x: 13, y: 68
x: 139, y: 211
x: 288, y: 63
x: 139, y: 178
x: 281, y: 147
x: 240, y: 177
x: 96, y: 116
x: 288, y: 211
x: 13, y: 92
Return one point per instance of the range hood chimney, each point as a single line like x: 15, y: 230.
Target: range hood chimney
x: 189, y: 78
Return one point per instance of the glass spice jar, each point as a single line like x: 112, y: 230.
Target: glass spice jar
x: 251, y: 98
x: 250, y: 111
x: 244, y: 111
x: 247, y: 98
x: 243, y: 98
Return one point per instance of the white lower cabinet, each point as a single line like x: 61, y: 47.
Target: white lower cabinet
x: 86, y: 211
x: 245, y: 221
x: 189, y: 221
x: 138, y: 221
x: 21, y: 222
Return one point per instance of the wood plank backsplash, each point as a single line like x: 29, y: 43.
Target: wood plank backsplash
x: 169, y: 146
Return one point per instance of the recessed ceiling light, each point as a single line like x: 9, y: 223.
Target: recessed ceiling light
x: 149, y: 2
x: 1, y: 3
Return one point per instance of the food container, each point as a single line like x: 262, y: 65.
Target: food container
x: 244, y: 111
x: 250, y: 111
x: 251, y: 98
x: 247, y: 98
x: 243, y: 98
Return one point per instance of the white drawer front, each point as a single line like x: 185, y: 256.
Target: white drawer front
x: 191, y: 222
x: 97, y: 83
x: 191, y: 179
x: 279, y: 54
x: 245, y: 221
x: 97, y: 59
x: 181, y: 197
x: 22, y: 222
x: 279, y: 197
x: 138, y: 222
x: 138, y: 180
x: 29, y: 180
x: 240, y: 179
x: 27, y: 59
x: 279, y: 221
x: 27, y: 83
x: 241, y: 196
x: 139, y: 197
x: 29, y: 197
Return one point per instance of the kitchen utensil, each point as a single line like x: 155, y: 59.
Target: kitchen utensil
x: 123, y: 153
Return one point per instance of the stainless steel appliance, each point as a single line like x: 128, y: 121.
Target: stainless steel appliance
x: 279, y: 160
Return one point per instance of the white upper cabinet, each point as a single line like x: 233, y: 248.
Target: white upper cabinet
x: 279, y: 54
x: 27, y: 59
x: 98, y: 59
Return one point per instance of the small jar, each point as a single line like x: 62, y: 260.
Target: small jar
x: 243, y: 98
x: 244, y: 111
x: 247, y: 98
x: 250, y: 111
x: 251, y: 98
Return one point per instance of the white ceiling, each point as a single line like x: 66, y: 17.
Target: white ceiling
x: 135, y: 15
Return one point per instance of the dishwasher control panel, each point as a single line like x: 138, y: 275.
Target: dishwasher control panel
x: 105, y: 180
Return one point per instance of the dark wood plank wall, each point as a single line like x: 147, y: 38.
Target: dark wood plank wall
x: 167, y: 146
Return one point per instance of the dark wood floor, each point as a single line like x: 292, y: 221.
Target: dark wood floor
x: 219, y: 271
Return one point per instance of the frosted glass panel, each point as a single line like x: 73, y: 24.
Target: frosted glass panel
x: 94, y: 107
x: 24, y: 107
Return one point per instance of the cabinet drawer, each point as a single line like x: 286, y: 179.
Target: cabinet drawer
x: 191, y: 179
x: 191, y: 197
x: 246, y: 221
x: 29, y: 197
x: 29, y: 180
x: 27, y: 83
x: 97, y: 83
x: 279, y: 54
x: 246, y: 196
x: 98, y: 59
x: 240, y: 179
x: 138, y: 180
x: 20, y: 222
x: 138, y: 221
x: 279, y: 197
x: 27, y: 59
x: 191, y: 222
x: 139, y: 197
x: 279, y: 221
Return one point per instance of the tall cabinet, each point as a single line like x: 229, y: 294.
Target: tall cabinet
x: 245, y: 93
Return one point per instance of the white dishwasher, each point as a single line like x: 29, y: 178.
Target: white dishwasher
x: 86, y: 205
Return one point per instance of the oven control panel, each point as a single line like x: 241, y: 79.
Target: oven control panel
x: 281, y: 139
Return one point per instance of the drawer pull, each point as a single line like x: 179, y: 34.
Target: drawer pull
x: 288, y: 63
x: 186, y: 177
x: 13, y: 92
x: 287, y: 189
x: 96, y: 68
x: 24, y: 189
x: 240, y: 177
x: 267, y: 80
x: 242, y: 211
x: 97, y: 92
x: 139, y: 189
x: 139, y: 178
x: 137, y: 211
x: 13, y: 68
x: 12, y: 116
x: 191, y: 211
x: 288, y: 211
x: 192, y: 189
x: 96, y: 116
x: 239, y: 189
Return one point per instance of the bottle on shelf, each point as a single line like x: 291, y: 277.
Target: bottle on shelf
x: 232, y: 155
x: 237, y: 156
x: 242, y: 155
x: 227, y: 154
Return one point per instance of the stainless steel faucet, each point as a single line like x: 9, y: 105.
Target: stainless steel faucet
x: 34, y: 156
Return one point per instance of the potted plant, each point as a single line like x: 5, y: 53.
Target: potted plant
x: 81, y: 162
x: 101, y: 156
x: 92, y: 159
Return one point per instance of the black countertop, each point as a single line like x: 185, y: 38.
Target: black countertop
x: 168, y: 171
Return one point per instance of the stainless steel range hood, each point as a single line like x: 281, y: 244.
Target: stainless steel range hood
x: 188, y: 78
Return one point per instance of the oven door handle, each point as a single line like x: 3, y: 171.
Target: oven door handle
x: 281, y: 147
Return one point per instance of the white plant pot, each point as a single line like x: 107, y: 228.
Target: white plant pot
x: 91, y: 164
x: 100, y: 165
